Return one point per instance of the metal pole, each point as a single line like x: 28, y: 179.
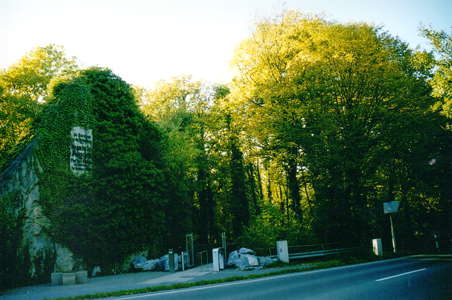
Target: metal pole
x: 183, y: 261
x: 223, y: 243
x: 393, y: 235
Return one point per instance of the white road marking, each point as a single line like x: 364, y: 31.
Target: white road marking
x: 239, y: 282
x: 398, y: 275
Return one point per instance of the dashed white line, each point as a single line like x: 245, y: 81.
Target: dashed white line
x: 402, y: 274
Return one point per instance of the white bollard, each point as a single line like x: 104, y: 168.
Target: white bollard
x: 377, y: 247
x: 216, y: 259
x: 282, y: 251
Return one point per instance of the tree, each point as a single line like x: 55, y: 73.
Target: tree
x: 440, y: 82
x: 16, y: 116
x: 318, y: 95
x: 31, y: 75
x: 21, y: 86
x: 180, y: 107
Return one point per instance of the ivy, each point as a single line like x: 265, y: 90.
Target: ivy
x: 104, y: 215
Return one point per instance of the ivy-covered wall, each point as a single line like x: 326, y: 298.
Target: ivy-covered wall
x: 98, y: 217
x: 26, y: 250
x: 117, y: 208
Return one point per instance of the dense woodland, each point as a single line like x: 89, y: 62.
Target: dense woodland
x: 322, y: 123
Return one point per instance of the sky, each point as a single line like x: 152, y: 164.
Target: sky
x: 144, y: 41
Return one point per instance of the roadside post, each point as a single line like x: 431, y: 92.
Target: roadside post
x: 390, y: 208
x: 223, y: 243
x: 183, y: 260
x: 190, y: 249
x: 171, y: 260
x: 377, y: 247
x: 216, y: 259
x: 282, y: 251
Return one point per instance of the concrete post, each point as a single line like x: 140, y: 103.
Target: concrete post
x: 282, y: 251
x: 216, y: 259
x: 221, y: 258
x: 183, y: 260
x: 377, y: 247
x: 171, y: 260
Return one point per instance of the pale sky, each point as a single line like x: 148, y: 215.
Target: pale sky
x: 144, y: 41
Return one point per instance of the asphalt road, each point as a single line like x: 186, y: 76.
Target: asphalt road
x: 420, y: 278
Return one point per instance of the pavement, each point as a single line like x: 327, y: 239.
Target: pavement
x: 129, y: 281
x: 144, y: 279
x: 413, y: 278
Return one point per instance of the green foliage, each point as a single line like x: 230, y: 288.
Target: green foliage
x: 441, y: 80
x: 117, y: 208
x: 23, y: 86
x: 322, y: 124
x: 270, y: 226
x: 335, y: 105
x: 16, y: 115
x: 31, y: 75
x: 13, y: 268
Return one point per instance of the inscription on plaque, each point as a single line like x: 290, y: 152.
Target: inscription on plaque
x: 81, y: 150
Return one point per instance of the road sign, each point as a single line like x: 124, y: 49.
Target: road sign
x: 391, y: 207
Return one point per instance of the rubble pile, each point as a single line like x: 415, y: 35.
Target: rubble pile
x: 245, y: 258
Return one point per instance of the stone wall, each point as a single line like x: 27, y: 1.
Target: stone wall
x: 38, y: 252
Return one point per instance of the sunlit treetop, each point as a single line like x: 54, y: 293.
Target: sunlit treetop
x: 31, y: 75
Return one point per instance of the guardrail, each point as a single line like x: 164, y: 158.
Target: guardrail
x: 317, y: 253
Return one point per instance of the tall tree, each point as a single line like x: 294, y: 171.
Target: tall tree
x: 321, y: 92
x: 180, y: 106
x: 21, y: 85
x: 441, y: 81
x: 31, y: 75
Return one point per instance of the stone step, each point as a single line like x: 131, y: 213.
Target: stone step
x: 58, y: 278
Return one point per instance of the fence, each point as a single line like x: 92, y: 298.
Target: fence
x: 203, y: 253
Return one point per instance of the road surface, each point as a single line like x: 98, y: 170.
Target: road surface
x: 415, y: 278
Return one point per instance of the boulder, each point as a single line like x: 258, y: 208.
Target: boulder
x: 138, y: 261
x: 95, y: 271
x: 244, y: 258
x: 246, y: 251
x: 128, y: 262
x: 251, y: 260
x: 149, y: 265
x: 265, y: 260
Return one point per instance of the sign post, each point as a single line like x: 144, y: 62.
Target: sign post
x: 223, y: 243
x: 390, y: 208
x: 189, y: 247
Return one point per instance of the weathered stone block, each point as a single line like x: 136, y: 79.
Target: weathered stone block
x: 64, y: 259
x: 81, y: 276
x: 56, y: 278
x: 68, y: 278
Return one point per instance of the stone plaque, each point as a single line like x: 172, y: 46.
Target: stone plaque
x: 81, y: 150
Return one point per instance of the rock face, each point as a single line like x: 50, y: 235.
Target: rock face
x: 41, y: 255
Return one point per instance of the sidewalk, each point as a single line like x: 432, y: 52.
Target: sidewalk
x: 125, y: 282
x: 144, y: 279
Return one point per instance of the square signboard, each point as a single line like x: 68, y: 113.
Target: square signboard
x: 391, y: 207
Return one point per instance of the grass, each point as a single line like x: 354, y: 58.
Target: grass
x: 314, y: 266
